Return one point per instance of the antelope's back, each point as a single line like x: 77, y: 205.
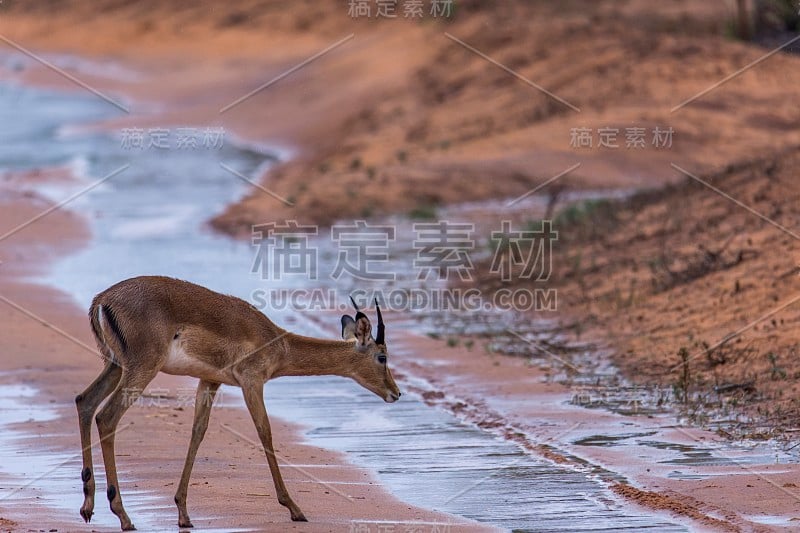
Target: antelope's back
x: 159, y: 306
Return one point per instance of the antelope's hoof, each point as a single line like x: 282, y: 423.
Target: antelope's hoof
x: 129, y: 527
x: 86, y: 514
x: 185, y: 523
x: 299, y: 517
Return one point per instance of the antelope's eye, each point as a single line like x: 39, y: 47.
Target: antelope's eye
x: 382, y: 359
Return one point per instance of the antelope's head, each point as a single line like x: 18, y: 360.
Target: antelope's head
x: 371, y: 367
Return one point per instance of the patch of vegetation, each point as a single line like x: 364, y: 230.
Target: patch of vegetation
x: 753, y: 20
x: 496, y: 243
x: 778, y: 15
x: 586, y: 210
x: 776, y: 372
x: 681, y: 386
x: 423, y: 212
x: 587, y: 219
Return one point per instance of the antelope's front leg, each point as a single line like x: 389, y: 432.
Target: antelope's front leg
x: 254, y: 399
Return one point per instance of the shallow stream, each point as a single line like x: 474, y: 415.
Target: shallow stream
x: 150, y: 219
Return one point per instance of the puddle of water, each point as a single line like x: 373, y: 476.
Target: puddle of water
x: 685, y: 454
x: 149, y: 220
x: 769, y: 520
x: 718, y: 455
x: 610, y: 440
x: 17, y: 404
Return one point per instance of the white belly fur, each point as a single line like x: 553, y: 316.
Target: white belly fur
x: 180, y: 363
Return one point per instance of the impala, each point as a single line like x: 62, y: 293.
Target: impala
x: 153, y: 324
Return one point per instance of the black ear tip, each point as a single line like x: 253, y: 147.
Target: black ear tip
x: 381, y: 328
x: 359, y: 314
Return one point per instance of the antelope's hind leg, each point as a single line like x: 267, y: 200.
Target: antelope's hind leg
x: 87, y: 403
x: 130, y: 385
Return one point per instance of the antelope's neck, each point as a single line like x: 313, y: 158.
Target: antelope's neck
x: 308, y: 356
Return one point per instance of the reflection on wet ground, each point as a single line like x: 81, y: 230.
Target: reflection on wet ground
x: 149, y: 219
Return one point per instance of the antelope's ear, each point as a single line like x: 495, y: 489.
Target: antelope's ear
x: 348, y: 327
x: 363, y: 329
